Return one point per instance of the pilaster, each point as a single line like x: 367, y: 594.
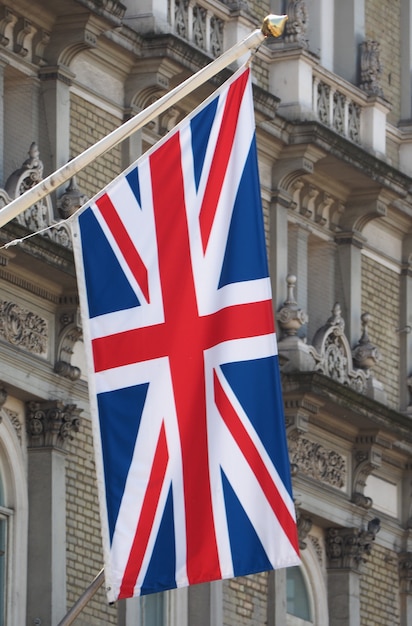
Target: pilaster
x: 49, y: 426
x: 349, y: 275
x: 347, y: 549
x: 349, y: 33
x: 56, y: 82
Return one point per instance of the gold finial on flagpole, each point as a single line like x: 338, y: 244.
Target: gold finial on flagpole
x: 274, y: 25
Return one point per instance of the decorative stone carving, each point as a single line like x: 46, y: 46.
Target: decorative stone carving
x: 405, y: 572
x: 317, y: 547
x: 7, y: 22
x: 70, y: 333
x: 334, y: 358
x: 293, y: 351
x: 51, y: 424
x: 40, y: 215
x: 23, y: 328
x: 371, y: 68
x: 181, y: 26
x: 71, y: 200
x: 14, y: 419
x: 297, y: 24
x: 216, y: 36
x: 317, y: 462
x: 304, y: 524
x: 366, y: 356
x: 347, y: 548
x: 24, y: 34
x: 199, y: 26
x: 291, y: 317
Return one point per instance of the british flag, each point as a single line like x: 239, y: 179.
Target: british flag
x: 184, y: 381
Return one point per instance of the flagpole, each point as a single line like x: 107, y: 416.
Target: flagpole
x: 83, y: 600
x: 272, y: 25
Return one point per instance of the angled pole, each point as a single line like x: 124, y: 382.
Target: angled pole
x: 272, y: 25
x: 83, y: 600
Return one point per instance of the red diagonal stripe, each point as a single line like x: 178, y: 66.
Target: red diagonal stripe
x: 147, y: 515
x: 256, y: 463
x: 126, y: 245
x: 221, y: 157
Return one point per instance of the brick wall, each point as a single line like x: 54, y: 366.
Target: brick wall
x: 88, y: 125
x: 380, y: 298
x: 245, y: 600
x: 84, y: 545
x: 382, y: 23
x: 379, y: 586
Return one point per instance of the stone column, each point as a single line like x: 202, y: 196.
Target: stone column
x: 49, y: 426
x: 278, y: 246
x: 349, y: 276
x: 56, y: 82
x: 346, y: 550
x: 349, y: 34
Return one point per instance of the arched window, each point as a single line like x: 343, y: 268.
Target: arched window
x: 297, y: 597
x: 13, y: 517
x: 306, y: 589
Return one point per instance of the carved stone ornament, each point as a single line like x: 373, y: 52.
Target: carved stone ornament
x: 304, y: 524
x: 23, y: 328
x: 71, y: 200
x: 347, y: 548
x: 317, y: 462
x: 39, y: 215
x: 70, y: 333
x: 371, y: 68
x: 365, y: 354
x: 334, y: 357
x: 297, y: 24
x: 291, y: 317
x: 51, y: 424
x: 295, y: 354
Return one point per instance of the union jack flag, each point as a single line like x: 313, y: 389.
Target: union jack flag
x: 184, y: 381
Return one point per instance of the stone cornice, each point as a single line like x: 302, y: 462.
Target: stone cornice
x: 373, y: 168
x: 356, y: 409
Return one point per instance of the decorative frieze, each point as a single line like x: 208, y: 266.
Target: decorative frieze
x: 347, y: 548
x: 23, y: 328
x: 51, y: 424
x: 315, y: 461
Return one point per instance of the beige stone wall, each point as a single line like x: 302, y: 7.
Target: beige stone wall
x: 380, y: 297
x: 379, y: 586
x: 84, y: 545
x: 88, y: 125
x: 382, y: 22
x: 245, y: 600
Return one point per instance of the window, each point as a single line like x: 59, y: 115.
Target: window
x: 297, y: 597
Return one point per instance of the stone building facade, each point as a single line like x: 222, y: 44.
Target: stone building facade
x: 333, y: 104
